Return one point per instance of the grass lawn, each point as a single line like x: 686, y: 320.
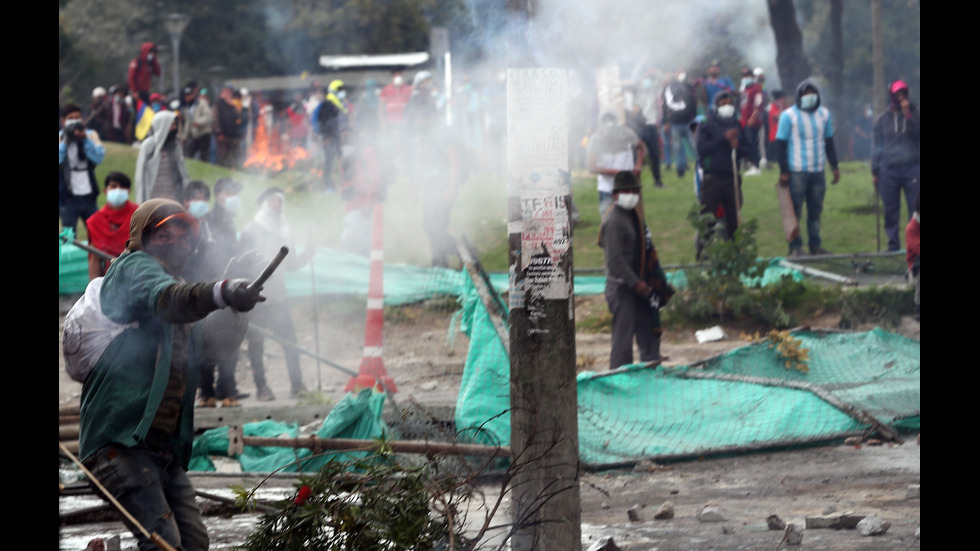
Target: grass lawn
x: 848, y: 224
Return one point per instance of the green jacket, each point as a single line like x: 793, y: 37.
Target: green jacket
x: 124, y: 390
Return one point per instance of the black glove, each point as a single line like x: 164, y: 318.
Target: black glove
x: 238, y: 296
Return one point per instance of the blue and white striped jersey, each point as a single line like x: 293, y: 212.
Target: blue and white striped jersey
x: 805, y: 133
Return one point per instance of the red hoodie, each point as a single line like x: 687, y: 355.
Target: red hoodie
x: 142, y: 71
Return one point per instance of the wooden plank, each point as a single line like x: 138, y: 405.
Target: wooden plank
x: 791, y: 227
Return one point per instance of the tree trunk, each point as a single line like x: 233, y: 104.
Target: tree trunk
x: 791, y: 62
x: 840, y: 107
x: 880, y: 100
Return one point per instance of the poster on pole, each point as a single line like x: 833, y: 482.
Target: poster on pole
x: 539, y: 183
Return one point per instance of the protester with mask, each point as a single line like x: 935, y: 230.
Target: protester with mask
x: 229, y: 128
x: 142, y: 69
x: 718, y: 137
x: 805, y: 143
x: 636, y: 286
x: 265, y: 235
x: 678, y: 111
x: 160, y: 168
x: 196, y: 123
x: 895, y: 161
x: 612, y: 148
x: 79, y: 152
x: 216, y: 248
x: 108, y: 228
x: 137, y: 404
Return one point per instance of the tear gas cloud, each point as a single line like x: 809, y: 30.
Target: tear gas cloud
x: 636, y: 35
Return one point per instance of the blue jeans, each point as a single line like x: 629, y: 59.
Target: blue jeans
x: 75, y: 209
x: 808, y: 187
x: 681, y: 137
x: 668, y: 145
x: 892, y: 181
x: 154, y: 488
x: 605, y: 201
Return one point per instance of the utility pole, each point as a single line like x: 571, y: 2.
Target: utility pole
x: 878, y: 59
x: 545, y: 504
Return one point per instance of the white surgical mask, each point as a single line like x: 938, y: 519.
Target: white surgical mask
x: 628, y: 201
x: 117, y: 197
x: 682, y: 77
x: 808, y: 101
x: 342, y: 94
x: 232, y: 203
x: 399, y: 81
x: 726, y: 111
x: 198, y: 208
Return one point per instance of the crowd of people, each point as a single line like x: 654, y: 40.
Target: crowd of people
x: 176, y: 263
x: 728, y: 132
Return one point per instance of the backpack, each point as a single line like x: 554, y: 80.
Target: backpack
x: 88, y: 332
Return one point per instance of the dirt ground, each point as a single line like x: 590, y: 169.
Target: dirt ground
x: 794, y: 484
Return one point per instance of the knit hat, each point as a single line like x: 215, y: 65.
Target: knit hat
x: 625, y: 180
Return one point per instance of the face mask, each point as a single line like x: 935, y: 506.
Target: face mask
x: 149, y: 57
x: 117, y: 197
x: 869, y: 113
x: 342, y: 94
x: 747, y: 82
x: 232, y: 203
x: 173, y: 257
x: 628, y: 201
x: 682, y: 77
x: 198, y: 208
x: 726, y: 111
x: 156, y: 106
x: 399, y: 81
x: 808, y: 101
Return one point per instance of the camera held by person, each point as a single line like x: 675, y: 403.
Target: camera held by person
x: 75, y: 130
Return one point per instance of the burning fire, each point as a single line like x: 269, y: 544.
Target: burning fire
x: 267, y: 153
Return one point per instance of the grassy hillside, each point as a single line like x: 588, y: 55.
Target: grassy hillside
x: 848, y: 219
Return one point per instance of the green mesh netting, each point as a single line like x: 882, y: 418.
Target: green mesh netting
x: 356, y: 416
x: 744, y: 399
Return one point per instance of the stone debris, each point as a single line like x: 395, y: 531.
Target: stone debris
x: 429, y: 385
x: 665, y: 511
x: 853, y: 441
x: 775, y: 523
x: 829, y: 509
x: 912, y: 492
x: 634, y: 513
x: 793, y: 535
x: 605, y: 504
x: 872, y: 525
x: 873, y: 442
x: 605, y: 544
x: 727, y: 530
x: 845, y: 519
x: 710, y: 513
x: 646, y: 466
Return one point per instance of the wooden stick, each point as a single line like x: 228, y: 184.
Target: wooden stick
x: 154, y: 537
x: 314, y: 442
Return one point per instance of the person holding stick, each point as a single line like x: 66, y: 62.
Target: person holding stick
x: 137, y: 406
x: 721, y: 147
x: 266, y: 234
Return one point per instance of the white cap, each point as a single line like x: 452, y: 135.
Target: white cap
x: 757, y: 71
x: 98, y: 92
x: 244, y: 91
